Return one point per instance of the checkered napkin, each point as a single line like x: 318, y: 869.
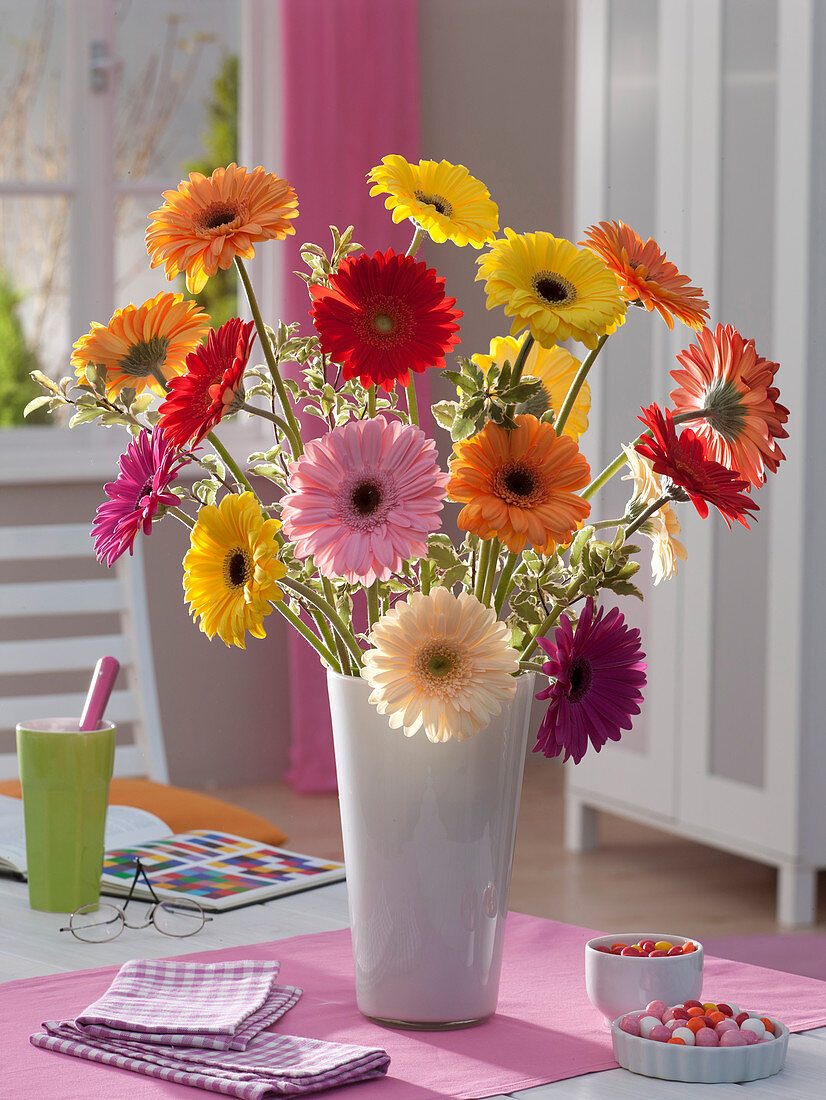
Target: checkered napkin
x: 201, y: 1024
x: 212, y: 1005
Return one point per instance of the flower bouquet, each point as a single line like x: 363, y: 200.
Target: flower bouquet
x: 448, y: 621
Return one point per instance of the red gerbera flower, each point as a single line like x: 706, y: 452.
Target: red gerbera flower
x: 383, y: 316
x: 684, y: 460
x: 198, y: 399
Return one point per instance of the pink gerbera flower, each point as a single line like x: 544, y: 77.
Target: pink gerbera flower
x: 147, y: 468
x: 364, y: 498
x: 597, y: 671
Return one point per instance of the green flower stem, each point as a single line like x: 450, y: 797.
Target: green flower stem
x: 482, y: 568
x: 692, y: 414
x: 371, y: 401
x: 493, y: 565
x: 576, y: 385
x: 157, y: 374
x: 307, y: 633
x: 412, y: 403
x: 529, y: 666
x: 518, y: 367
x: 341, y: 648
x: 333, y: 616
x: 503, y: 588
x: 294, y: 432
x: 550, y: 619
x: 605, y: 524
x: 274, y: 417
x: 424, y: 576
x: 418, y: 237
x: 178, y: 513
x: 643, y: 516
x: 231, y: 464
x: 373, y: 604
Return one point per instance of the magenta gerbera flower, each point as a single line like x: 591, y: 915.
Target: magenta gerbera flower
x: 364, y: 498
x: 597, y: 672
x: 147, y: 468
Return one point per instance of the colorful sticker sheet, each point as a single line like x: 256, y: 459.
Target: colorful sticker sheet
x: 219, y: 870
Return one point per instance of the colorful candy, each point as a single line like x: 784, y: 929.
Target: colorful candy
x: 657, y: 949
x: 696, y: 1024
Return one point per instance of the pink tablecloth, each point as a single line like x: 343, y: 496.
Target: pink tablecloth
x: 545, y: 1028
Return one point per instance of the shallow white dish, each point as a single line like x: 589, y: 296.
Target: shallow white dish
x: 703, y: 1065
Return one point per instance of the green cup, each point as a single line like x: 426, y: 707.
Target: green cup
x: 65, y: 779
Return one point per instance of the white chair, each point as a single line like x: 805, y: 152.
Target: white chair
x: 58, y: 628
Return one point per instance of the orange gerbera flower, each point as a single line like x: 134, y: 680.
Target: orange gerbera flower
x: 723, y: 374
x: 142, y: 344
x: 645, y: 275
x: 207, y: 222
x: 520, y: 486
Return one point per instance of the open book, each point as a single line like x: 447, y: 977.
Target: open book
x: 219, y: 870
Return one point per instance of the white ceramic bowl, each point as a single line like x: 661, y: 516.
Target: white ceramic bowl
x: 705, y: 1065
x: 618, y: 984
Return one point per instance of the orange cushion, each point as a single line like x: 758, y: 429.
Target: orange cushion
x: 182, y: 810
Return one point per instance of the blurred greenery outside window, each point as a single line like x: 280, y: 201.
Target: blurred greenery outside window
x: 176, y: 93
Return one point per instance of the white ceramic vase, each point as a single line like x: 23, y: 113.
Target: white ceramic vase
x: 428, y: 835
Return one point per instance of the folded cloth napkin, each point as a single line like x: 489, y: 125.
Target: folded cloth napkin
x: 272, y: 1065
x: 217, y: 1005
x: 201, y: 1024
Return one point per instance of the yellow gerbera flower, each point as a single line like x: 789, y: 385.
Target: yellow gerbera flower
x: 555, y: 367
x: 663, y: 527
x: 550, y: 286
x: 443, y: 198
x: 231, y: 568
x: 142, y: 342
x: 441, y: 662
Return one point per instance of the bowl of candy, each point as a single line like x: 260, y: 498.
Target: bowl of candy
x: 701, y: 1042
x: 625, y: 972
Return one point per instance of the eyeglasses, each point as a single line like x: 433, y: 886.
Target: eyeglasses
x: 102, y: 921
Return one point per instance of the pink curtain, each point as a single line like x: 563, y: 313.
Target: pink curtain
x: 351, y: 96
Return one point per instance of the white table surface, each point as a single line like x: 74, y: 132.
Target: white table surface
x: 30, y: 945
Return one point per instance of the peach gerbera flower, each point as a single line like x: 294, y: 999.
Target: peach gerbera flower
x: 207, y: 222
x: 520, y: 486
x: 645, y: 275
x: 723, y: 373
x: 143, y: 344
x: 663, y: 527
x: 442, y: 662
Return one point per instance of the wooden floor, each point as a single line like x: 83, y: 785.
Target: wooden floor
x: 638, y: 878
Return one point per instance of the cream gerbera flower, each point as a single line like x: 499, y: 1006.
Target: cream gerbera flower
x: 663, y: 527
x: 443, y: 198
x: 440, y: 661
x: 556, y: 369
x: 546, y: 284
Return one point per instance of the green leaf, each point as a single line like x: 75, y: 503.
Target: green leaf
x: 522, y: 392
x: 444, y: 413
x: 579, y: 541
x: 454, y: 575
x: 37, y: 403
x: 462, y: 428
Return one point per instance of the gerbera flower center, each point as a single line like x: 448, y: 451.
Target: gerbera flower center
x: 237, y: 567
x: 439, y: 202
x: 367, y: 497
x: 219, y: 214
x: 519, y: 483
x: 580, y: 675
x: 145, y: 357
x: 439, y: 666
x: 386, y: 322
x: 726, y: 415
x: 553, y: 289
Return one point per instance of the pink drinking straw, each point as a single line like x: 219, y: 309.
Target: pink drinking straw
x: 98, y: 694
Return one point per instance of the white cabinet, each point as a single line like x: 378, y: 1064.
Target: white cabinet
x: 702, y: 123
